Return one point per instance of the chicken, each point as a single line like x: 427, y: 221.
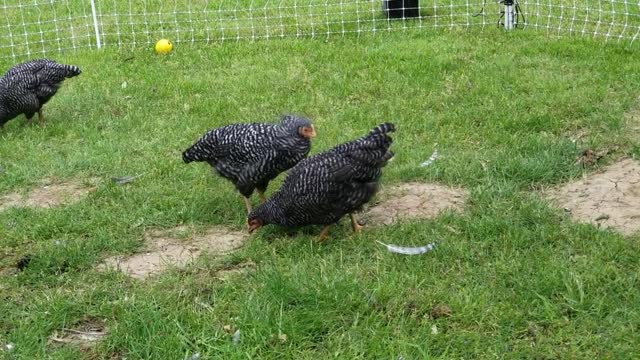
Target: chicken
x: 251, y: 155
x: 26, y: 87
x: 323, y: 188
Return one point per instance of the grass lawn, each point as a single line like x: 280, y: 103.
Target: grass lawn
x: 521, y: 279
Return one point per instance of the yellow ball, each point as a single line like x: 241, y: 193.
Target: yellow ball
x: 163, y: 46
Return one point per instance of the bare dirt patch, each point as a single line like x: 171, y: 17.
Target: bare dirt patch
x: 175, y: 248
x: 85, y: 334
x: 610, y: 198
x: 414, y: 201
x: 49, y: 194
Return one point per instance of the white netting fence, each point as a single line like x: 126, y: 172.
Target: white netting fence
x: 31, y: 28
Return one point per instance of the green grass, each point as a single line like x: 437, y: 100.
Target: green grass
x: 522, y: 280
x: 50, y: 27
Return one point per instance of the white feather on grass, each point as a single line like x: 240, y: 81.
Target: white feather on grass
x: 195, y: 356
x: 408, y: 250
x: 125, y: 179
x: 431, y: 159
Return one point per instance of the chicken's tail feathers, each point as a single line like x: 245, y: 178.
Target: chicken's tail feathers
x: 373, y: 148
x: 386, y: 157
x: 378, y: 137
x: 71, y: 70
x: 383, y: 128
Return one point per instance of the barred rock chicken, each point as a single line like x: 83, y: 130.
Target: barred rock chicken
x: 251, y: 155
x: 323, y: 188
x: 26, y: 87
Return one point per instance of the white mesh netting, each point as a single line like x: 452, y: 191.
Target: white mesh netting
x: 40, y: 27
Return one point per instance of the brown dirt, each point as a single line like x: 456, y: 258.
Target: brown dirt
x: 414, y: 201
x: 610, y: 198
x: 589, y: 158
x: 85, y: 334
x: 175, y: 247
x: 440, y: 310
x: 50, y: 194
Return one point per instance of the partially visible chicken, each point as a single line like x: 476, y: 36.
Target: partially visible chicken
x: 251, y: 155
x: 323, y: 188
x: 26, y: 87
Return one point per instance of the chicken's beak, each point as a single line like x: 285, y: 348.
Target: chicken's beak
x: 252, y: 227
x: 309, y: 132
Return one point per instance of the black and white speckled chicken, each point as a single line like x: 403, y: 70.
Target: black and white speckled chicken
x: 323, y: 188
x: 26, y: 87
x: 251, y: 155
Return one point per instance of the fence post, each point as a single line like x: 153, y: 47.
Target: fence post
x: 509, y: 15
x: 95, y: 23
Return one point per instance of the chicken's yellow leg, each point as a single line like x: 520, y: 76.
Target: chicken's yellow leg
x: 324, y: 232
x: 40, y: 117
x: 354, y: 223
x: 247, y: 204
